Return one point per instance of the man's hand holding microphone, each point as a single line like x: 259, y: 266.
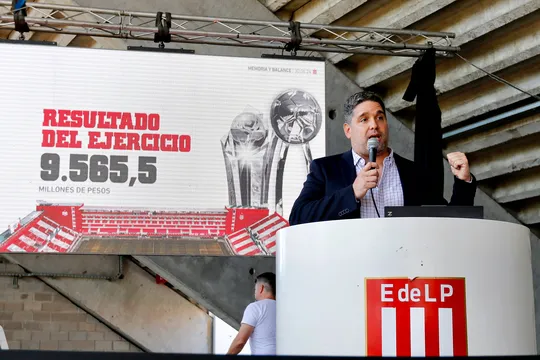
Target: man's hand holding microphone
x: 368, y: 177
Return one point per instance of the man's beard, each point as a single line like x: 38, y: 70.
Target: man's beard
x: 383, y: 146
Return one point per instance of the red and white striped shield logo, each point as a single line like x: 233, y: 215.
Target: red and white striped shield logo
x: 419, y: 317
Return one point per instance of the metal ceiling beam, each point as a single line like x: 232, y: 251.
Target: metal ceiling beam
x: 64, y: 19
x: 474, y: 20
x: 391, y: 14
x: 517, y: 188
x: 325, y: 11
x: 497, y: 162
x: 496, y: 134
x: 516, y: 43
x: 530, y: 214
x: 492, y: 120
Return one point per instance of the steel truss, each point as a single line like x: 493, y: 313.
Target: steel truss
x: 165, y: 27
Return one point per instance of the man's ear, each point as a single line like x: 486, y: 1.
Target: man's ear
x: 347, y: 130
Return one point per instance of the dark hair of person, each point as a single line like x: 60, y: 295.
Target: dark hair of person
x: 359, y: 98
x: 268, y: 279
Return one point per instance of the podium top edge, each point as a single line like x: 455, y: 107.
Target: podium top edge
x: 422, y: 219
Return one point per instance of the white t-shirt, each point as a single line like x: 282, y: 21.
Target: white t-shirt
x: 262, y: 316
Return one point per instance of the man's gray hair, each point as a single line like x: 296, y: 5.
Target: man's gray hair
x: 359, y: 98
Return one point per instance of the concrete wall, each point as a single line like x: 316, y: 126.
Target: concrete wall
x: 221, y: 284
x: 149, y: 315
x: 34, y: 316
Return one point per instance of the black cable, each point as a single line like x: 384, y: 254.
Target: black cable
x: 497, y: 78
x: 373, y: 198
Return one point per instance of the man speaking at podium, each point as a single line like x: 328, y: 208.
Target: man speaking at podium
x: 357, y: 185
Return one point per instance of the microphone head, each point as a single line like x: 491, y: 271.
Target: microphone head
x: 373, y: 143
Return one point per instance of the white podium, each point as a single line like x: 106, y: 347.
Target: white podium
x: 405, y: 286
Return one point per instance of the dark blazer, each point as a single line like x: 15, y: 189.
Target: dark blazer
x: 328, y: 194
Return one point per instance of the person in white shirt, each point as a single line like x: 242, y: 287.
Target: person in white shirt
x: 259, y: 320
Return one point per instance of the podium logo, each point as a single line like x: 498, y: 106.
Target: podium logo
x: 420, y: 317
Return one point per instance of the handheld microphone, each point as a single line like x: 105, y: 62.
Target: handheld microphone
x: 373, y: 145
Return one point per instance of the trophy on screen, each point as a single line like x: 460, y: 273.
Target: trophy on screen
x: 296, y: 118
x: 248, y: 150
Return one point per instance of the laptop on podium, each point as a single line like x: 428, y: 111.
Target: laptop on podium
x: 446, y: 211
